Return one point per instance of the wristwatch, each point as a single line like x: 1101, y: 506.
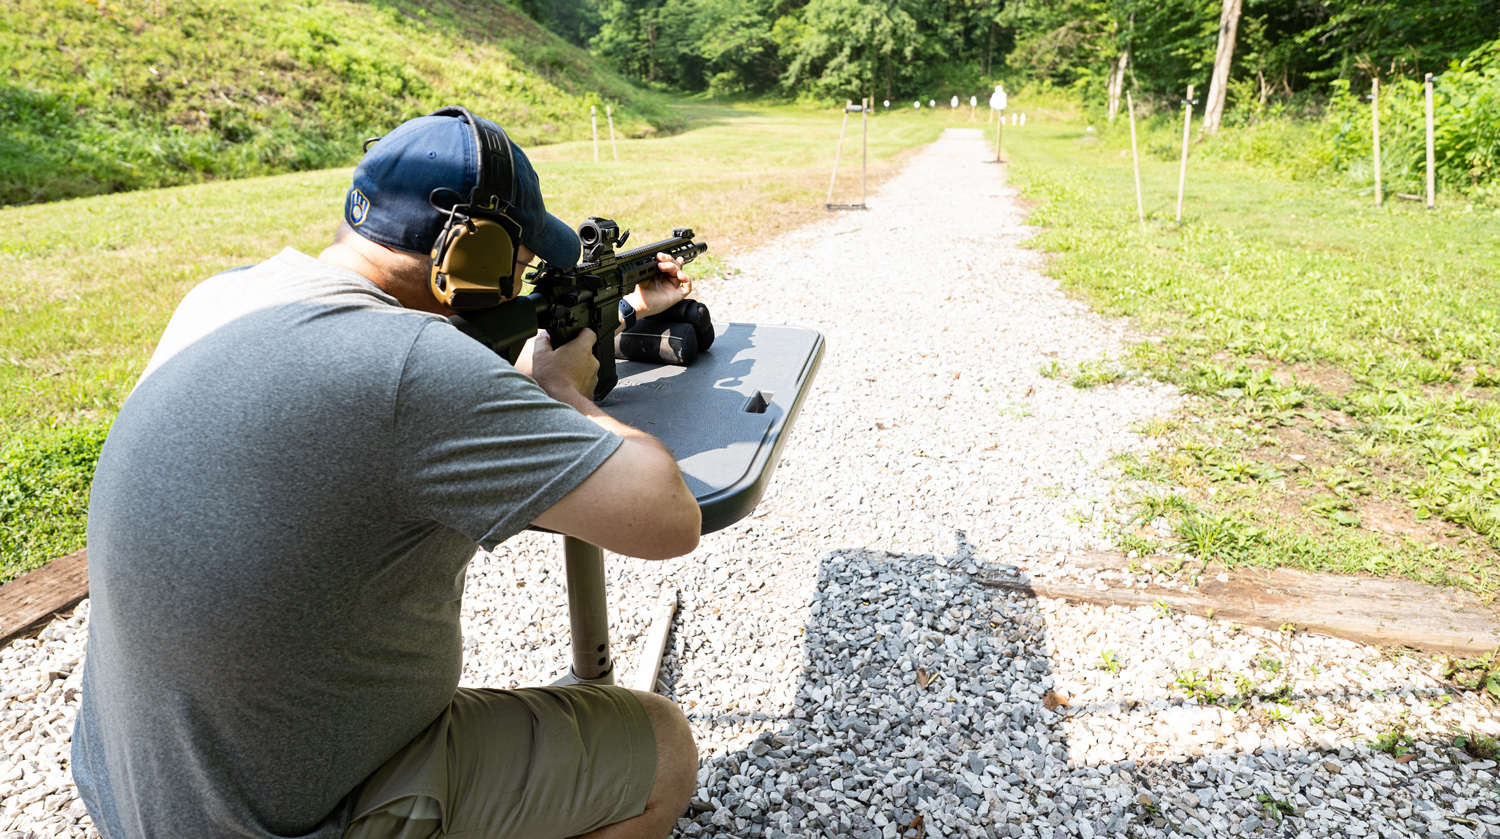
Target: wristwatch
x: 627, y: 313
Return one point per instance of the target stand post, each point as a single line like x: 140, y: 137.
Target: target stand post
x: 725, y: 418
x: 863, y: 109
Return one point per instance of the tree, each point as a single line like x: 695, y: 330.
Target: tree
x: 1229, y: 24
x: 838, y: 46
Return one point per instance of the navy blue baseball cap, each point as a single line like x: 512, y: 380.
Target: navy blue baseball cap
x: 410, y: 177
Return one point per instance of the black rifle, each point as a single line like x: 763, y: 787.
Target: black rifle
x: 564, y: 301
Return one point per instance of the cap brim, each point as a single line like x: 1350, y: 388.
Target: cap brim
x: 555, y: 242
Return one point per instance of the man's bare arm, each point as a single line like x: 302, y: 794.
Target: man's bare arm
x: 635, y: 503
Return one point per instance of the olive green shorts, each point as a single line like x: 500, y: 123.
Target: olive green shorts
x: 534, y: 763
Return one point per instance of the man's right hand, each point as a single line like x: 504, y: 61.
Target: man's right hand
x: 636, y: 502
x: 567, y: 373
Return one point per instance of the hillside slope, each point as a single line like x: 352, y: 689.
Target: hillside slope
x: 116, y: 95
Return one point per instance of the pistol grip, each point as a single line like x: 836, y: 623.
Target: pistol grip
x: 604, y: 353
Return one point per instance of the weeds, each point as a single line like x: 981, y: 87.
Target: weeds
x: 1481, y: 675
x: 1092, y: 374
x: 1141, y: 545
x: 1274, y: 808
x: 1478, y: 746
x: 1395, y: 742
x: 1109, y: 661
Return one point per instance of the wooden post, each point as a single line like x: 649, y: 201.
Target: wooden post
x: 999, y: 133
x: 836, y: 153
x: 864, y: 146
x: 1431, y: 170
x: 1187, y: 125
x: 609, y: 113
x: 1135, y: 157
x: 1375, y: 130
x: 594, y: 118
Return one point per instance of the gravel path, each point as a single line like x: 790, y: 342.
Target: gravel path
x: 845, y: 673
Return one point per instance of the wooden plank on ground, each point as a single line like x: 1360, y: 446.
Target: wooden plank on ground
x: 37, y: 595
x: 1382, y: 612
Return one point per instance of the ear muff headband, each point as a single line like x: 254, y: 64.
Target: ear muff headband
x: 473, y: 259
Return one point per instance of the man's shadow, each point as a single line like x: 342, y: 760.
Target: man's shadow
x: 927, y: 708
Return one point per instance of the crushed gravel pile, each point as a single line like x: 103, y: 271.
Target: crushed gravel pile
x: 846, y: 672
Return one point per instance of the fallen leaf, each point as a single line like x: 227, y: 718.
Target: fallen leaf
x: 916, y: 825
x: 956, y: 374
x: 882, y: 426
x: 1405, y: 758
x: 922, y: 678
x: 1054, y: 699
x: 1030, y: 390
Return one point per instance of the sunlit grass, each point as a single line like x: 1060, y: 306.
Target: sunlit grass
x: 1343, y: 357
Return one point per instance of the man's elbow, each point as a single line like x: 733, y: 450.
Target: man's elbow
x: 677, y: 526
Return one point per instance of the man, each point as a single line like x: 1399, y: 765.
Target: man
x: 279, y: 528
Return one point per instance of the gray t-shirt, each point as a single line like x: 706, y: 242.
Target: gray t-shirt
x: 278, y: 532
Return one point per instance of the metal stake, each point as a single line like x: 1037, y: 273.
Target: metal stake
x: 1431, y: 168
x: 1187, y: 126
x: 1135, y: 158
x: 1375, y: 134
x: 836, y: 153
x: 864, y: 146
x: 609, y: 112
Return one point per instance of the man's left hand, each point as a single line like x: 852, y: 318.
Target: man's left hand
x: 662, y: 293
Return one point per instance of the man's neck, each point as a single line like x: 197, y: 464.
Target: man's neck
x: 402, y: 276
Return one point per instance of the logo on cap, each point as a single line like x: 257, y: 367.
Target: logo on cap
x: 359, y: 207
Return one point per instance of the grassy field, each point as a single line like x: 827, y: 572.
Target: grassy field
x: 101, y: 97
x: 1343, y: 360
x: 88, y: 284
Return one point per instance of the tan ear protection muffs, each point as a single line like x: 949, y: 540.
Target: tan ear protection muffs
x: 474, y: 258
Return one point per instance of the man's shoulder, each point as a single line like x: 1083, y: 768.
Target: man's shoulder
x: 286, y: 294
x: 290, y: 277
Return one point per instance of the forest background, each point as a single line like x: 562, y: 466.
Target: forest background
x: 99, y: 96
x: 1299, y: 70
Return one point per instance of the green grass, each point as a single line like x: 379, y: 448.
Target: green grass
x: 44, y: 490
x: 107, y: 96
x: 1343, y: 359
x: 88, y: 285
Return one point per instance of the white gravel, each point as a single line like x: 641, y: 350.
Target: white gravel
x: 843, y: 671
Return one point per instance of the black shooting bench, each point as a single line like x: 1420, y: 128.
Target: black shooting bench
x: 725, y: 418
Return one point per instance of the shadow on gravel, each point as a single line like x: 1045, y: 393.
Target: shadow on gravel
x: 926, y: 708
x: 904, y: 684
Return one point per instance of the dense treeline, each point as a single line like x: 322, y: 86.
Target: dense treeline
x: 1289, y: 51
x: 1294, y: 86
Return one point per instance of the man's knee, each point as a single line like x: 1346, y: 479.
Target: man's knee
x: 676, y: 753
